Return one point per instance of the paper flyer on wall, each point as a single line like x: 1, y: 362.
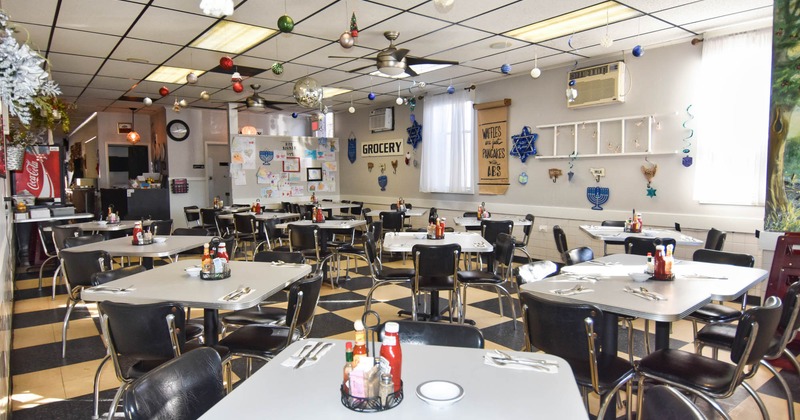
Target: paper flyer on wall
x: 243, y: 151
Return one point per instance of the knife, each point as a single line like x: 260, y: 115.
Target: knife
x: 308, y: 355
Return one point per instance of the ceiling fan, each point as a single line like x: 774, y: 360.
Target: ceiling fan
x: 257, y: 103
x: 393, y: 61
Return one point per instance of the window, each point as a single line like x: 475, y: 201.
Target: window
x: 448, y: 145
x: 733, y: 119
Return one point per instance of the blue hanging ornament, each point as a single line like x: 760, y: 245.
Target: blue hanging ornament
x: 638, y: 51
x: 414, y: 133
x: 687, y: 161
x: 382, y: 181
x: 523, y: 178
x: 505, y: 68
x: 651, y: 192
x: 451, y: 90
x: 294, y: 115
x: 371, y: 96
x: 572, y: 82
x: 524, y: 144
x: 351, y: 149
x: 413, y: 118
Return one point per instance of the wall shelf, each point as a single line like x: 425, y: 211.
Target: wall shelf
x: 612, y: 134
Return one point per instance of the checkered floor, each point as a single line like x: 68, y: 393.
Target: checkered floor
x: 46, y: 386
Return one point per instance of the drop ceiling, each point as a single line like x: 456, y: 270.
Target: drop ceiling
x: 102, y: 50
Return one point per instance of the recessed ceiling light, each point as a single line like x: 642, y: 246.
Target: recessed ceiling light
x: 577, y: 21
x: 232, y: 37
x: 500, y: 45
x: 167, y: 74
x: 330, y: 92
x: 419, y: 68
x: 137, y: 60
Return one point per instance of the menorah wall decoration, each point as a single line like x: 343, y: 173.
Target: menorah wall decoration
x: 597, y: 196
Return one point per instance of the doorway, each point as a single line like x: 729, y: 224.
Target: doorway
x: 218, y: 156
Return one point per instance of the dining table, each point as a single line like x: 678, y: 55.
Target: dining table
x: 102, y: 226
x: 615, y: 235
x: 326, y: 225
x: 329, y: 205
x: 474, y: 222
x: 267, y: 215
x: 122, y: 247
x: 407, y: 212
x: 249, y: 284
x: 608, y: 282
x: 487, y: 390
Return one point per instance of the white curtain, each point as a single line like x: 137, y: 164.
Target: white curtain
x: 448, y: 144
x: 733, y: 119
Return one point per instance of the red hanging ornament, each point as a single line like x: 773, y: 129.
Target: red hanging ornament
x: 226, y: 63
x: 164, y: 91
x: 237, y: 87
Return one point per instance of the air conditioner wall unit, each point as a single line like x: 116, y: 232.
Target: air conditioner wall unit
x: 598, y: 85
x: 381, y: 119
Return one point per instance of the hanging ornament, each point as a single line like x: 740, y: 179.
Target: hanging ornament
x: 346, y: 40
x: 236, y: 77
x: 687, y: 142
x: 277, y: 69
x: 649, y: 173
x: 505, y: 68
x: 352, y: 109
x: 523, y: 178
x: 237, y: 87
x: 353, y: 26
x: 204, y: 95
x: 414, y: 133
x: 638, y: 51
x: 399, y: 100
x: 451, y: 90
x: 443, y: 6
x: 524, y: 144
x: 572, y: 157
x: 351, y: 148
x: 307, y: 92
x: 651, y: 192
x: 226, y: 63
x: 408, y: 158
x: 535, y: 73
x: 147, y: 101
x: 572, y: 93
x: 285, y: 24
x: 606, y: 41
x: 191, y: 78
x: 183, y: 103
x: 164, y: 91
x: 371, y: 96
x: 412, y: 103
x: 176, y: 106
x: 294, y: 115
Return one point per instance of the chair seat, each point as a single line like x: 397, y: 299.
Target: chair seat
x: 713, y: 312
x: 519, y: 243
x: 347, y: 248
x: 690, y: 370
x: 477, y: 276
x: 396, y: 273
x: 194, y: 329
x: 260, y: 340
x: 610, y: 374
x: 256, y: 315
x: 718, y: 335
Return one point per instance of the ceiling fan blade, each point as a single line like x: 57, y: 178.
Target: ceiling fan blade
x: 360, y: 68
x: 409, y: 71
x: 400, y: 53
x: 412, y: 61
x: 271, y: 106
x: 351, y: 58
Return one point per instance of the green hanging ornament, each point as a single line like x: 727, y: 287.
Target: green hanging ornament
x: 277, y: 68
x: 353, y: 26
x: 285, y: 24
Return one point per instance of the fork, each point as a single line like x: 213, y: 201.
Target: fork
x: 313, y: 357
x: 503, y: 362
x: 574, y: 289
x: 507, y: 356
x: 111, y: 289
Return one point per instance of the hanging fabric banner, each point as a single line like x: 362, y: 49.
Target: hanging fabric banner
x: 492, y: 145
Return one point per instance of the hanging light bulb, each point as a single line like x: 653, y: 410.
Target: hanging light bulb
x: 133, y: 137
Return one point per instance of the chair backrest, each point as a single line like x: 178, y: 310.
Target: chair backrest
x: 183, y: 388
x: 191, y: 216
x: 116, y: 274
x: 208, y: 217
x: 367, y: 218
x: 303, y: 237
x: 356, y: 210
x: 503, y: 253
x: 224, y: 226
x: 614, y: 223
x: 439, y: 334
x: 715, y: 239
x: 61, y: 233
x: 189, y: 232
x: 641, y: 246
x: 275, y: 256
x: 435, y: 265
x: 579, y: 255
x: 561, y: 240
x: 377, y: 229
x: 244, y: 223
x: 527, y: 229
x: 392, y: 221
x: 790, y: 320
x: 46, y: 238
x: 74, y: 241
x: 662, y: 402
x: 471, y: 214
x: 161, y: 227
x: 371, y: 250
x: 560, y: 328
x: 535, y: 271
x: 722, y: 257
x: 302, y: 304
x: 80, y: 266
x: 157, y: 334
x: 766, y: 317
x: 490, y: 229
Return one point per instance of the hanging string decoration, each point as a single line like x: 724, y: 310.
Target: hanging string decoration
x: 572, y: 157
x: 414, y: 132
x: 524, y: 144
x: 649, y: 173
x: 687, y: 142
x: 353, y: 26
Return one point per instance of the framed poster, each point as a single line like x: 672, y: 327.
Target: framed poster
x: 314, y: 174
x: 42, y: 173
x: 291, y: 164
x: 124, y: 127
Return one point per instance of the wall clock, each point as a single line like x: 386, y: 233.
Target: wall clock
x: 178, y: 130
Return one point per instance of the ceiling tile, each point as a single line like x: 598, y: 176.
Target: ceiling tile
x: 286, y: 47
x: 21, y: 11
x: 154, y: 52
x: 100, y: 16
x: 135, y: 71
x: 82, y: 43
x: 74, y: 63
x: 169, y: 26
x: 462, y: 9
x: 524, y: 13
x: 331, y: 23
x: 112, y: 83
x: 704, y: 10
x: 442, y: 40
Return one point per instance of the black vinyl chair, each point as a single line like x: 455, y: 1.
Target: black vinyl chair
x: 435, y: 270
x: 471, y: 214
x: 662, y: 402
x: 265, y: 341
x: 499, y: 275
x: 182, y: 388
x: 392, y: 221
x: 722, y: 336
x: 579, y: 255
x: 574, y: 332
x: 490, y: 230
x: 439, y: 334
x: 613, y: 223
x: 161, y: 227
x: 48, y: 247
x: 641, y: 246
x: 711, y: 379
x: 381, y: 276
x: 60, y: 234
x: 208, y: 220
x: 522, y: 244
x: 561, y: 242
x: 248, y: 231
x: 715, y: 239
x: 366, y: 216
x: 78, y: 269
x: 274, y: 235
x: 309, y: 241
x: 192, y: 214
x: 225, y: 226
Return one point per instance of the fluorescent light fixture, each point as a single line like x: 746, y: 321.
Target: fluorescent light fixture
x: 87, y: 141
x: 86, y: 121
x: 577, y: 21
x: 232, y: 37
x: 330, y: 92
x: 419, y: 68
x: 176, y: 75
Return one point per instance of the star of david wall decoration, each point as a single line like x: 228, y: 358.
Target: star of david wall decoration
x: 414, y: 134
x: 524, y: 144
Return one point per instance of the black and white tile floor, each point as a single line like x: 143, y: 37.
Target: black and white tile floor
x: 46, y: 386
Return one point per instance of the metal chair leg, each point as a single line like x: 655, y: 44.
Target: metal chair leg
x: 70, y: 306
x: 96, y: 390
x: 786, y: 389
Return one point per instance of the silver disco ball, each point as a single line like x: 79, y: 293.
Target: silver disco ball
x: 307, y: 92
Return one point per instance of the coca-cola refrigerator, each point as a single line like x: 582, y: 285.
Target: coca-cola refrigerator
x: 42, y: 173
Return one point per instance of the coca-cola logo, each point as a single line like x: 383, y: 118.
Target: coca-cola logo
x: 32, y: 168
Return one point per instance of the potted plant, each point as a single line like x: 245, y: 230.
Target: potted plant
x: 19, y: 139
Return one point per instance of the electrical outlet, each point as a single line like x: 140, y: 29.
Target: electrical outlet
x: 542, y: 228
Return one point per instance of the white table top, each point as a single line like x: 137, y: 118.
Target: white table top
x: 123, y: 247
x: 489, y: 392
x: 473, y: 221
x: 404, y: 241
x: 613, y: 234
x: 328, y: 224
x: 408, y: 212
x: 122, y: 225
x: 263, y: 216
x: 170, y: 283
x: 54, y: 218
x: 684, y: 295
x: 330, y: 205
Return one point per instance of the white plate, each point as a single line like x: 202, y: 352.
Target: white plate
x: 640, y: 276
x: 193, y: 271
x: 159, y: 240
x: 440, y: 393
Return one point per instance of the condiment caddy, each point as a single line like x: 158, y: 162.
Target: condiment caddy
x: 214, y: 264
x: 436, y: 229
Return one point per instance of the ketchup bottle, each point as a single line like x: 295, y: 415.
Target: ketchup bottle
x: 391, y: 354
x: 137, y: 234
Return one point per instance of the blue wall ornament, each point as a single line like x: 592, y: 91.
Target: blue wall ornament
x: 266, y: 156
x: 597, y: 196
x: 414, y: 133
x: 523, y: 178
x: 687, y: 161
x: 524, y: 144
x: 382, y: 181
x: 351, y: 149
x: 651, y: 192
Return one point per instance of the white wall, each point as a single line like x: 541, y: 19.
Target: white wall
x: 107, y: 134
